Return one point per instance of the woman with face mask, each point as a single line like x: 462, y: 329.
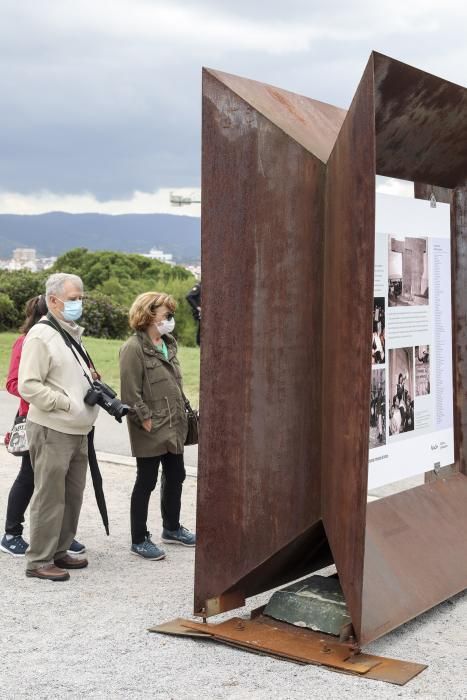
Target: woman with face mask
x: 151, y: 383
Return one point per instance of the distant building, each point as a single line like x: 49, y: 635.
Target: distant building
x: 156, y: 254
x: 26, y: 259
x: 46, y: 263
x: 23, y: 259
x: 194, y: 269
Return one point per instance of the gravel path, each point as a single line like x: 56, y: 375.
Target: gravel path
x: 87, y: 637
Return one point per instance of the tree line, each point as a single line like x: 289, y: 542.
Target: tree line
x: 111, y: 281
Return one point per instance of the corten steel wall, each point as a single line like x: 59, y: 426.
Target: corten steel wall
x: 419, y: 125
x: 414, y: 540
x: 459, y: 210
x: 262, y: 260
x: 284, y: 454
x: 348, y: 272
x: 414, y: 553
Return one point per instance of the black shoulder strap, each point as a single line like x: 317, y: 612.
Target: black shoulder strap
x: 71, y: 343
x: 67, y: 337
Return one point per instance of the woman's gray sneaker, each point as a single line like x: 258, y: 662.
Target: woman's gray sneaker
x: 180, y: 536
x: 148, y: 550
x: 15, y: 546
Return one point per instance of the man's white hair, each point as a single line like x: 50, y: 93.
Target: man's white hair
x: 56, y: 282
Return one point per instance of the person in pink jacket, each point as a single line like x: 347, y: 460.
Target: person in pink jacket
x: 23, y: 486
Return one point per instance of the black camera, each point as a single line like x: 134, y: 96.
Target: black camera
x: 105, y: 397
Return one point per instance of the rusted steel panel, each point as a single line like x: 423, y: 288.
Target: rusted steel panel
x: 414, y: 540
x: 459, y: 268
x: 348, y: 300
x: 285, y: 364
x: 442, y: 194
x: 414, y: 554
x: 311, y: 123
x: 259, y: 461
x: 421, y: 125
x: 305, y: 552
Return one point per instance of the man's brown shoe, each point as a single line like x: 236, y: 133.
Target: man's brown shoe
x: 50, y: 572
x: 68, y: 562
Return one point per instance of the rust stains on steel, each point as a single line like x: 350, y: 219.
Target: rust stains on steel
x: 459, y: 225
x: 293, y: 644
x: 261, y: 434
x: 348, y: 302
x: 288, y: 218
x: 313, y: 124
x: 421, y: 132
x: 412, y: 553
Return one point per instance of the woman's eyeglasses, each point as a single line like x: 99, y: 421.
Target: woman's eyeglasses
x: 168, y: 316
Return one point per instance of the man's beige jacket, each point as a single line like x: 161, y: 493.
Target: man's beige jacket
x: 53, y: 382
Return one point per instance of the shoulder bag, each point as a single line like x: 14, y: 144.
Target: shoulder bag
x: 193, y: 423
x: 16, y: 441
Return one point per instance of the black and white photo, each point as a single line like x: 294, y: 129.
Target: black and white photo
x: 378, y: 355
x: 422, y: 370
x: 408, y: 282
x: 401, y: 390
x: 378, y: 408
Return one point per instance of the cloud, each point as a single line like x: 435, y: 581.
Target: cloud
x: 271, y: 26
x: 103, y: 97
x: 139, y: 203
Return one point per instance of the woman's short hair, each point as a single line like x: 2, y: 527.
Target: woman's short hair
x: 144, y: 308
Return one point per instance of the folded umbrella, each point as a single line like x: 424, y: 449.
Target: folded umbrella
x: 97, y: 481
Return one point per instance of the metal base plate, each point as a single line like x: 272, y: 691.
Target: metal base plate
x: 263, y: 635
x: 177, y: 628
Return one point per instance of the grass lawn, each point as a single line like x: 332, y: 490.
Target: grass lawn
x: 105, y: 356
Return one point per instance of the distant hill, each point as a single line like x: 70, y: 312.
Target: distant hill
x: 57, y: 232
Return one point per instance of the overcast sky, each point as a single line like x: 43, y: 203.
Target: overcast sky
x: 100, y: 99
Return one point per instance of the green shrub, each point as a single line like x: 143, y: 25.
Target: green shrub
x: 103, y: 318
x: 112, y: 281
x: 20, y: 286
x: 7, y: 313
x: 122, y: 276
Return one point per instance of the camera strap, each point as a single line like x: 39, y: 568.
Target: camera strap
x: 72, y: 344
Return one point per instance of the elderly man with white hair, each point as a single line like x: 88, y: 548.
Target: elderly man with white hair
x: 54, y: 380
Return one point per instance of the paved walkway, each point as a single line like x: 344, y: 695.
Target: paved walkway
x: 111, y: 437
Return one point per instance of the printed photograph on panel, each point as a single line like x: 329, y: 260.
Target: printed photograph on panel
x: 422, y: 370
x: 378, y: 408
x: 378, y: 354
x: 401, y: 390
x: 408, y: 282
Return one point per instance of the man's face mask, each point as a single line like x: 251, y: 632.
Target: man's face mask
x: 72, y: 310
